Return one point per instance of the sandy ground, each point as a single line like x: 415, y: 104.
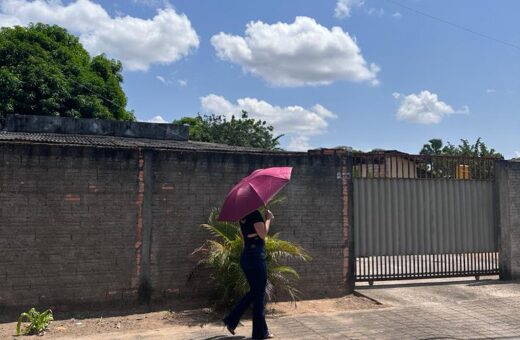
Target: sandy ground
x: 119, y: 325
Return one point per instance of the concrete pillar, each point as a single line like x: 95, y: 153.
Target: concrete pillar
x: 507, y: 183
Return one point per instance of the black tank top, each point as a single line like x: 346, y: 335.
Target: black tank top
x: 247, y: 226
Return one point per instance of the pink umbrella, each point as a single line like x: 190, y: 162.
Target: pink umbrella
x: 253, y: 192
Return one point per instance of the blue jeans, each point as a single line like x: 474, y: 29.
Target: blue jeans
x: 254, y: 266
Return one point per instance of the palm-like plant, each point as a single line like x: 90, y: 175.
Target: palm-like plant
x: 221, y: 256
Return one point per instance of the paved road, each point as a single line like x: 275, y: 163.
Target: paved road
x: 494, y: 314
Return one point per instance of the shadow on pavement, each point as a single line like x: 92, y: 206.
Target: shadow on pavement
x: 486, y: 338
x: 223, y: 337
x: 470, y: 282
x: 491, y: 282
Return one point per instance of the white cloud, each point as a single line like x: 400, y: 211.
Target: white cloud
x: 378, y: 12
x: 296, y: 54
x: 424, y: 108
x: 8, y: 21
x: 137, y: 42
x: 163, y: 80
x: 517, y: 154
x: 79, y: 16
x: 157, y: 119
x: 344, y: 7
x: 153, y: 3
x: 298, y: 123
x: 170, y: 80
x: 491, y: 90
x: 397, y: 15
x: 300, y: 143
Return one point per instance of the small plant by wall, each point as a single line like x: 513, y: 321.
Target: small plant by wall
x: 221, y: 255
x: 38, y: 322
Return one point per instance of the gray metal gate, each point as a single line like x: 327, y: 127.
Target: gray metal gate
x: 423, y: 216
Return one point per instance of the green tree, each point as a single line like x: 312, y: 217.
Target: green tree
x: 44, y: 70
x: 434, y: 147
x: 465, y: 149
x: 466, y: 154
x: 243, y: 131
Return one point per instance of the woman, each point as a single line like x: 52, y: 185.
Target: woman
x: 252, y: 260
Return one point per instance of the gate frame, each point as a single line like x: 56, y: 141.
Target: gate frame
x: 348, y: 170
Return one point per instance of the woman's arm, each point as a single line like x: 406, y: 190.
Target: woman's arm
x: 262, y: 229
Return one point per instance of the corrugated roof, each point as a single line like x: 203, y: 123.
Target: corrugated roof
x: 120, y: 142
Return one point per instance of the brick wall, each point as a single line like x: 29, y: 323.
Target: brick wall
x: 188, y: 185
x: 88, y: 226
x: 508, y: 205
x: 67, y: 225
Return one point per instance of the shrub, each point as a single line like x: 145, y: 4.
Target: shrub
x: 221, y: 256
x: 38, y: 322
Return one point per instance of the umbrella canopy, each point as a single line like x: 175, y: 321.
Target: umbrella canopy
x: 254, y: 191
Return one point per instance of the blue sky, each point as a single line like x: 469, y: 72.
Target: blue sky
x: 367, y: 74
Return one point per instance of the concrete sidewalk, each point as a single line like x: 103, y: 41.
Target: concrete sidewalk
x: 495, y: 315
x: 438, y: 291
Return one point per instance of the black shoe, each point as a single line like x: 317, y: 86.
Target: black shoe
x: 230, y: 330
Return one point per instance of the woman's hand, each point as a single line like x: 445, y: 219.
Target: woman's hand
x: 262, y: 229
x: 268, y: 215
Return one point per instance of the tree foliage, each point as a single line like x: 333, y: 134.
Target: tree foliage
x: 221, y: 255
x: 243, y: 131
x: 468, y: 163
x: 44, y: 70
x: 465, y: 148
